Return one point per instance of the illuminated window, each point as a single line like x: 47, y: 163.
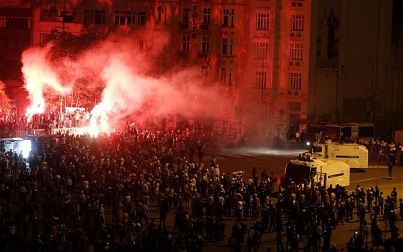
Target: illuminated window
x: 185, y: 43
x: 223, y: 75
x: 124, y: 18
x: 295, y: 81
x: 94, y: 17
x: 297, y: 22
x: 48, y: 15
x: 15, y: 22
x: 205, y: 44
x: 261, y: 50
x: 206, y: 16
x: 141, y: 18
x: 261, y: 79
x: 262, y: 21
x: 296, y: 52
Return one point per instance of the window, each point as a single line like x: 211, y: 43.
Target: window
x: 228, y: 17
x: 225, y: 17
x: 262, y: 21
x: 223, y: 75
x: 185, y: 43
x: 204, y: 72
x: 230, y: 77
x: 297, y: 3
x: 297, y: 22
x: 205, y: 44
x: 48, y: 15
x: 227, y: 46
x: 295, y: 81
x: 261, y: 79
x: 161, y: 15
x: 224, y: 46
x: 296, y: 52
x: 124, y: 18
x: 206, y: 16
x: 67, y: 16
x: 139, y: 46
x: 231, y: 47
x: 15, y: 22
x: 186, y: 15
x: 94, y: 17
x: 276, y: 50
x: 271, y: 109
x: 261, y: 50
x: 294, y: 106
x: 141, y: 18
x: 43, y: 38
x: 232, y: 17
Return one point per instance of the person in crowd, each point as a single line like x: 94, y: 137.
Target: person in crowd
x: 65, y: 195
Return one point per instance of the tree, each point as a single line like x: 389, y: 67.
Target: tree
x: 66, y: 48
x: 67, y: 44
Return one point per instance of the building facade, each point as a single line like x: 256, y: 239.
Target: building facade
x: 355, y: 73
x: 258, y: 50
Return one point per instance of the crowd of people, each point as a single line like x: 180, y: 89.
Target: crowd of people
x: 44, y: 121
x: 116, y: 192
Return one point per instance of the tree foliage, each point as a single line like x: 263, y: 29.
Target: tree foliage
x: 67, y: 44
x: 66, y: 48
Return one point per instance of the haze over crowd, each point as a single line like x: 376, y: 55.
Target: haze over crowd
x: 127, y: 79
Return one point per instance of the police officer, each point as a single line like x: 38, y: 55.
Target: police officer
x: 392, y: 159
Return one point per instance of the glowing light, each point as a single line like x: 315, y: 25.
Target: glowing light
x: 126, y: 80
x: 26, y: 148
x: 39, y: 75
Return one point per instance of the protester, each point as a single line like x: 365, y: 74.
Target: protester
x: 61, y: 199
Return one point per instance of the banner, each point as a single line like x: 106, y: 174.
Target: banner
x: 328, y: 40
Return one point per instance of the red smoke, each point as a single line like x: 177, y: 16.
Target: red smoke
x: 127, y: 79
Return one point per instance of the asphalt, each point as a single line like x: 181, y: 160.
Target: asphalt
x: 376, y: 174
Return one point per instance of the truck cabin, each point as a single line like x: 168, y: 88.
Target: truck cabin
x: 316, y: 171
x: 297, y: 173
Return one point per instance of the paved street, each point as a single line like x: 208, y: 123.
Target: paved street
x: 274, y: 159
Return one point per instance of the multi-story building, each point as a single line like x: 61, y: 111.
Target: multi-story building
x: 283, y: 63
x: 354, y: 65
x: 257, y: 50
x: 275, y: 90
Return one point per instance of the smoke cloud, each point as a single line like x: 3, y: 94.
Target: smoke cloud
x: 130, y: 87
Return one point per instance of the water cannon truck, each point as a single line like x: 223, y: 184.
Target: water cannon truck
x: 355, y: 155
x: 316, y: 171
